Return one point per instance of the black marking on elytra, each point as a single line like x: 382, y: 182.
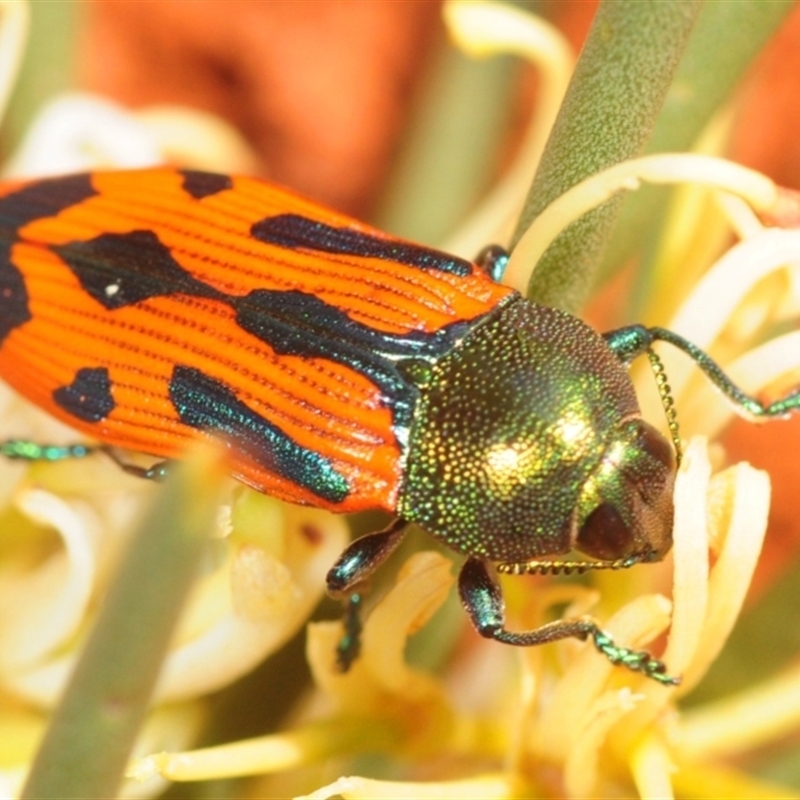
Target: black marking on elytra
x: 203, y: 184
x: 14, y: 310
x: 294, y: 231
x: 32, y: 202
x: 205, y: 403
x: 42, y: 199
x: 88, y: 397
x: 299, y: 324
x: 122, y: 269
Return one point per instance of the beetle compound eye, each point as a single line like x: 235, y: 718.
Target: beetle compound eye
x: 650, y: 462
x: 656, y: 446
x: 604, y: 534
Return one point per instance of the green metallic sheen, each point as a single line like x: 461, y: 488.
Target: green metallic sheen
x: 528, y: 442
x: 31, y: 451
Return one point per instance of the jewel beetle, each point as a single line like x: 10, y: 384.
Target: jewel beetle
x: 343, y: 368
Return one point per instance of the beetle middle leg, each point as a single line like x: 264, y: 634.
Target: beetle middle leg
x: 25, y: 450
x: 346, y: 578
x: 483, y: 600
x: 157, y: 472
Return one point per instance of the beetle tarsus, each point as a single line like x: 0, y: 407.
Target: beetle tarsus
x: 636, y: 660
x: 157, y: 472
x: 25, y: 450
x: 349, y: 646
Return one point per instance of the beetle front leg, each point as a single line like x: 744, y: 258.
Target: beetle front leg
x: 635, y: 340
x: 482, y: 598
x: 353, y: 567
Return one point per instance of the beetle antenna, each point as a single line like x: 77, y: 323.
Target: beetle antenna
x: 565, y: 567
x: 665, y: 393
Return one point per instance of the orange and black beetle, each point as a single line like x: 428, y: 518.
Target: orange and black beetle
x: 345, y: 369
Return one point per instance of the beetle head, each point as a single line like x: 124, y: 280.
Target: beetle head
x: 625, y: 508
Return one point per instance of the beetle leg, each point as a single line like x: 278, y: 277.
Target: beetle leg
x: 24, y: 450
x: 363, y: 556
x: 635, y: 340
x: 482, y: 598
x: 346, y: 577
x: 158, y: 472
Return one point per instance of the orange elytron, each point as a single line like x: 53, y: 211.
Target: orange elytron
x: 132, y: 299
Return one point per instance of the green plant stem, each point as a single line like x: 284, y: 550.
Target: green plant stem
x: 48, y: 67
x: 88, y: 743
x: 448, y: 157
x: 620, y: 82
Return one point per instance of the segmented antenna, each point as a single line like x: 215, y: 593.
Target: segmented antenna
x: 665, y: 393
x: 565, y: 567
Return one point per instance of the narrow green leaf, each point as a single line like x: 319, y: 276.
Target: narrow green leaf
x: 724, y: 43
x: 47, y: 68
x: 449, y: 156
x: 88, y: 743
x: 619, y: 84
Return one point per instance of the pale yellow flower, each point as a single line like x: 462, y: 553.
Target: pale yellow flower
x: 493, y: 722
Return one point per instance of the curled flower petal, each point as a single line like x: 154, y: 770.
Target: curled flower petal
x: 485, y: 787
x: 380, y: 675
x: 170, y: 727
x: 240, y: 625
x: 266, y: 754
x: 489, y: 28
x: 42, y: 609
x: 583, y: 685
x: 591, y: 192
x: 221, y: 635
x: 651, y: 767
x: 722, y: 289
x: 79, y: 132
x: 750, y: 719
x: 690, y: 557
x: 581, y: 764
x: 738, y: 509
